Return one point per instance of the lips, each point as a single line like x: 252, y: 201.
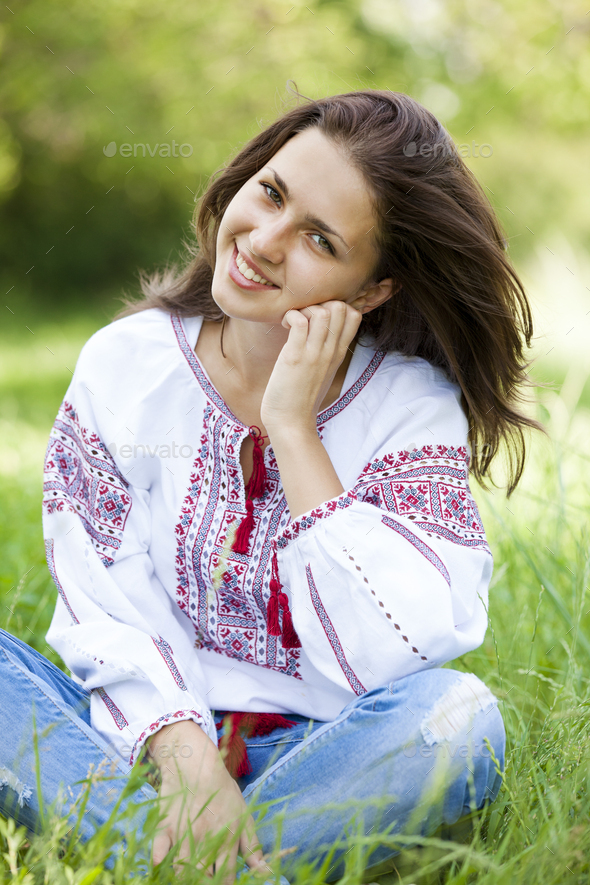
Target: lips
x: 241, y: 280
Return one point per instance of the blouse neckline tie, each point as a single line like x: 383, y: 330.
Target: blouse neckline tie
x: 278, y: 600
x: 254, y: 489
x: 255, y: 724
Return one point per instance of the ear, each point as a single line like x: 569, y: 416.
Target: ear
x: 373, y: 296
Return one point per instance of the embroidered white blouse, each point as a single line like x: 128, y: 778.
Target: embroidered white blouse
x: 162, y: 621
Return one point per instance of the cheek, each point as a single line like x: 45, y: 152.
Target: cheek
x: 237, y: 214
x: 338, y: 286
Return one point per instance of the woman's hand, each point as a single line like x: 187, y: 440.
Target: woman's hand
x: 203, y: 794
x: 319, y: 336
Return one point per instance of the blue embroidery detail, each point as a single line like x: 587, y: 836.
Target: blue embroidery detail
x: 52, y: 571
x: 166, y: 653
x: 120, y: 720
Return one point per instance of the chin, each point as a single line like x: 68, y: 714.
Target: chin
x: 239, y: 307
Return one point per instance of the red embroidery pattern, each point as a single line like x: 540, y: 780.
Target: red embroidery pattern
x: 429, y: 486
x: 81, y: 477
x: 300, y: 525
x: 331, y: 635
x: 49, y: 544
x: 159, y: 723
x: 167, y: 653
x: 231, y: 620
x: 417, y: 542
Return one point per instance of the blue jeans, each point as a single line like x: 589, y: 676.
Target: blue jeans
x: 399, y: 760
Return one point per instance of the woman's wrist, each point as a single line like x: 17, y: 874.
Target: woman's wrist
x: 291, y: 432
x: 177, y: 741
x: 307, y: 473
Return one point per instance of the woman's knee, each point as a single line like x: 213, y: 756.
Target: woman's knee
x: 440, y: 701
x: 464, y: 709
x: 445, y: 714
x: 465, y: 733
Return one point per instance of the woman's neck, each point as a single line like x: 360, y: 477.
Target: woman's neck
x: 251, y: 351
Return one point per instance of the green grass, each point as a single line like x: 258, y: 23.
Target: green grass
x: 536, y: 655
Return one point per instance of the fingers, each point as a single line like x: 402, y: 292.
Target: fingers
x: 199, y: 865
x: 332, y: 324
x: 351, y: 325
x: 325, y: 325
x: 250, y: 846
x: 226, y: 862
x: 294, y: 318
x: 186, y: 854
x: 161, y: 846
x: 333, y: 327
x: 298, y: 327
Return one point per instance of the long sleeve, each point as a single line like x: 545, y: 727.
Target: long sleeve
x: 392, y: 575
x: 114, y: 625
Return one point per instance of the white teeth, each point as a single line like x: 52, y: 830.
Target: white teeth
x: 247, y: 271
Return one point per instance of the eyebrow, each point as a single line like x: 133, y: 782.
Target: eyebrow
x: 311, y: 219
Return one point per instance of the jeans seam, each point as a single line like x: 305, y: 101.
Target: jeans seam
x: 303, y: 743
x: 27, y: 675
x: 275, y: 743
x: 84, y: 693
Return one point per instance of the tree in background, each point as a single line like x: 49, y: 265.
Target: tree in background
x: 81, y: 79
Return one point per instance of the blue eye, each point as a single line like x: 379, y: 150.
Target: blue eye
x: 268, y: 187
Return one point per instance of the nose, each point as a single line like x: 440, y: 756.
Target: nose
x: 268, y: 241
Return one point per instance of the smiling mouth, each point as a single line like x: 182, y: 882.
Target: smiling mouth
x: 249, y: 272
x: 245, y: 276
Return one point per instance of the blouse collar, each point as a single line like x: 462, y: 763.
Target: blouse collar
x: 364, y: 363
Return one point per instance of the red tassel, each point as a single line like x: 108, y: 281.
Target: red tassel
x: 236, y: 759
x: 248, y: 725
x: 277, y: 600
x: 254, y: 488
x: 272, y: 610
x: 267, y: 722
x: 257, y: 480
x: 242, y: 538
x: 290, y: 637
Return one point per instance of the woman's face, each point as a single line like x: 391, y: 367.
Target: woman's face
x: 306, y: 221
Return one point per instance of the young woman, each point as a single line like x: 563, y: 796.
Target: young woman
x: 257, y: 501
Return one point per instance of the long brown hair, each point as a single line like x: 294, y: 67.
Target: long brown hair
x: 461, y: 305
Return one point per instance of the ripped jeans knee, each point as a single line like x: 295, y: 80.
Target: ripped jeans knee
x: 461, y: 733
x: 9, y: 779
x: 15, y: 796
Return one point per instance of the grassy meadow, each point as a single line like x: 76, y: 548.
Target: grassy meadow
x: 535, y: 658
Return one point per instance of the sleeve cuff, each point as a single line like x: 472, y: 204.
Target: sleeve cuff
x: 308, y: 520
x: 206, y: 723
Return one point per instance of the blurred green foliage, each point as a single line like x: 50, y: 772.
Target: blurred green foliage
x: 78, y: 76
